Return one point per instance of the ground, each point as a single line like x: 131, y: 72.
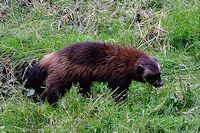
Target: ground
x: 168, y: 30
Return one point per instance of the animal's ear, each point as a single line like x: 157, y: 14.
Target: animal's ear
x: 140, y: 69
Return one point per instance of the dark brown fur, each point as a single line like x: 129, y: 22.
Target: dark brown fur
x: 92, y: 61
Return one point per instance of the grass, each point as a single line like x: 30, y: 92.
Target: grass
x: 168, y: 30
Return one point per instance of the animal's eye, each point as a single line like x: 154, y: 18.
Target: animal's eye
x: 154, y: 77
x: 151, y: 78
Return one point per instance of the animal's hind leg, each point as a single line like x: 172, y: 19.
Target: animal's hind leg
x: 85, y: 89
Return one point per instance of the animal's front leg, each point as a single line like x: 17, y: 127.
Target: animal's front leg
x: 119, y: 89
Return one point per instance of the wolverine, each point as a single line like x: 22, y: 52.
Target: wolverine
x: 84, y: 62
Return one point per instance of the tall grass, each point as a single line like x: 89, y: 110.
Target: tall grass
x: 168, y: 30
x: 182, y: 25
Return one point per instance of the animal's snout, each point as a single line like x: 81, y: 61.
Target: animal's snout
x: 160, y: 83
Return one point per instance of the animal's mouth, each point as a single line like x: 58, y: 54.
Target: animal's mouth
x: 158, y: 84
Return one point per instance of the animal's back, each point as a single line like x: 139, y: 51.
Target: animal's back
x: 86, y: 53
x: 94, y: 60
x: 81, y: 61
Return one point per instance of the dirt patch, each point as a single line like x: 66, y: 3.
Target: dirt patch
x: 12, y: 76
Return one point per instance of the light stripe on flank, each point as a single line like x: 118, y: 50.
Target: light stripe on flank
x: 47, y: 58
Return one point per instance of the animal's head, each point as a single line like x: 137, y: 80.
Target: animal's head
x: 149, y: 70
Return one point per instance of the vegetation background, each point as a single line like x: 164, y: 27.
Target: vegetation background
x: 166, y: 29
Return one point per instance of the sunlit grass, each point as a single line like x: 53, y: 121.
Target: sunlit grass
x: 31, y: 31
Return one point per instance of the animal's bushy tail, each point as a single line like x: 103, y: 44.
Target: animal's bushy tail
x: 35, y: 77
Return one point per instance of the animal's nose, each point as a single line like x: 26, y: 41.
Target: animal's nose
x: 160, y: 83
